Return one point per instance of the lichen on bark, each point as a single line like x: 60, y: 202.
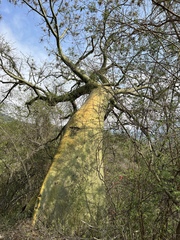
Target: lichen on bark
x: 73, y: 195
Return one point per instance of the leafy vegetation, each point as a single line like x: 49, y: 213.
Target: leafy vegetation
x: 142, y: 187
x: 25, y: 156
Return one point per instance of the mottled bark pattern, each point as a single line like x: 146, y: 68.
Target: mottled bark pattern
x: 72, y: 195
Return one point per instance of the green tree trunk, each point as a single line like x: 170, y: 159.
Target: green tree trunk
x: 72, y: 195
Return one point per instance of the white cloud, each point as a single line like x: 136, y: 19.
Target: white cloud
x: 29, y: 47
x: 19, y: 28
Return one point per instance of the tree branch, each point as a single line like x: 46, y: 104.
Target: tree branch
x: 52, y: 100
x: 165, y: 8
x: 8, y: 92
x: 86, y: 54
x: 132, y: 91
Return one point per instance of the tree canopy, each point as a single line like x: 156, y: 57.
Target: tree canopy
x: 129, y: 42
x: 129, y: 46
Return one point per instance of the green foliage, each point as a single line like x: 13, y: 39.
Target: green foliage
x: 142, y: 186
x: 25, y: 156
x: 142, y: 189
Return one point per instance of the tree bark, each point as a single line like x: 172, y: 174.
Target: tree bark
x: 73, y: 195
x: 178, y: 231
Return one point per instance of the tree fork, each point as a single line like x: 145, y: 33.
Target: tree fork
x: 72, y: 195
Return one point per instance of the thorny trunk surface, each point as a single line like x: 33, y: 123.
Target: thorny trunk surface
x: 72, y: 195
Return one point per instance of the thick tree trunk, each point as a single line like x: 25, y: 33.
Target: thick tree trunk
x: 72, y: 195
x: 178, y: 231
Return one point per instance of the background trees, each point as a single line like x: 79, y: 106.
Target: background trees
x: 132, y: 47
x: 26, y: 154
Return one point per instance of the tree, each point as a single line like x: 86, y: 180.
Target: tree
x: 119, y: 54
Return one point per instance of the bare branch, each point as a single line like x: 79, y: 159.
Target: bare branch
x: 165, y: 8
x: 52, y: 100
x: 132, y: 91
x: 8, y: 92
x: 86, y: 54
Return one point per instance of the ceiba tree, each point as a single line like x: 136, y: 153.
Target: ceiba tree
x: 110, y: 52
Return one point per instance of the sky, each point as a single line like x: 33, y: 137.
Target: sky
x: 20, y: 28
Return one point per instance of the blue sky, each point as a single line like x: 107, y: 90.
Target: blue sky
x: 20, y: 28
